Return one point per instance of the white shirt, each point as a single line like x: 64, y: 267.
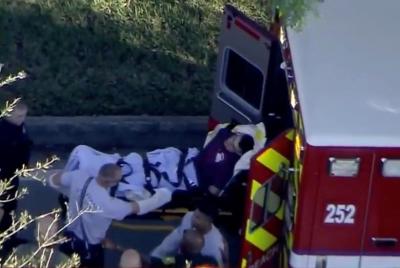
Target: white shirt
x: 213, y: 242
x: 95, y: 224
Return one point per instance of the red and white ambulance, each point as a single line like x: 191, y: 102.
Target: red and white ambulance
x: 324, y: 192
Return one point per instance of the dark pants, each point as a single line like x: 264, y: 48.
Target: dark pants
x: 6, y: 220
x: 5, y: 223
x: 91, y: 256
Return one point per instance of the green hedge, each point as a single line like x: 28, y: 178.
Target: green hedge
x: 103, y: 57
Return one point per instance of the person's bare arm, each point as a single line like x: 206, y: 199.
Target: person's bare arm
x: 61, y: 181
x: 161, y: 197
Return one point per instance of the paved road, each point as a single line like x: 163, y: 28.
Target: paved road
x: 142, y: 234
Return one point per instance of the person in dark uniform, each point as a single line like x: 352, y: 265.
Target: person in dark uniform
x: 15, y: 147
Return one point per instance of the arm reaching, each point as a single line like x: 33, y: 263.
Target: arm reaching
x: 159, y: 198
x: 117, y: 209
x: 61, y: 181
x: 169, y: 246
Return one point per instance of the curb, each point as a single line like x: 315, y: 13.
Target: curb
x: 108, y: 132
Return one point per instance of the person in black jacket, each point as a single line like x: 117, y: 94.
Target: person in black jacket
x: 15, y: 146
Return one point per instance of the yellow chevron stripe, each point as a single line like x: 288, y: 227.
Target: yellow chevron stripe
x: 290, y: 240
x: 244, y: 263
x: 285, y: 259
x: 255, y: 185
x: 260, y: 237
x: 297, y: 146
x: 279, y: 214
x: 290, y: 135
x: 272, y: 159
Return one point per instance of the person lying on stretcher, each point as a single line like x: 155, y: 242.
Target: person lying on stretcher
x: 215, y: 163
x: 208, y: 170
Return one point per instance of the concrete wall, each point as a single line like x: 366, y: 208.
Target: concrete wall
x: 105, y: 132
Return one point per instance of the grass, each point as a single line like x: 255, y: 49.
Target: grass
x: 106, y: 57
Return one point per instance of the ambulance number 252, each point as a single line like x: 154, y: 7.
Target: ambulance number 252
x: 340, y: 214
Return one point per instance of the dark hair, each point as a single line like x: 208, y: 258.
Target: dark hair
x: 208, y: 206
x: 246, y: 143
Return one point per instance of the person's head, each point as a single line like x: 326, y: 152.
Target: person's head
x: 18, y: 115
x: 204, y: 215
x: 109, y: 175
x: 130, y: 258
x: 192, y: 242
x: 46, y: 229
x: 239, y: 143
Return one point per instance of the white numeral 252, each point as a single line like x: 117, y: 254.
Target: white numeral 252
x: 341, y: 214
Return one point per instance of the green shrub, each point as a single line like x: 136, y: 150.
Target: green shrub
x: 92, y: 57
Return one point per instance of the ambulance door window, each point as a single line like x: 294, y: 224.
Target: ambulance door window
x: 243, y: 78
x: 242, y: 66
x: 266, y: 202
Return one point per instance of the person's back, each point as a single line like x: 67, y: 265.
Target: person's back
x: 91, y: 211
x: 98, y: 199
x: 213, y: 239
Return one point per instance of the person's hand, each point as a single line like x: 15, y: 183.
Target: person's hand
x: 213, y: 190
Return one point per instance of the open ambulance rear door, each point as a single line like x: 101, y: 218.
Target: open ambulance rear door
x: 250, y: 86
